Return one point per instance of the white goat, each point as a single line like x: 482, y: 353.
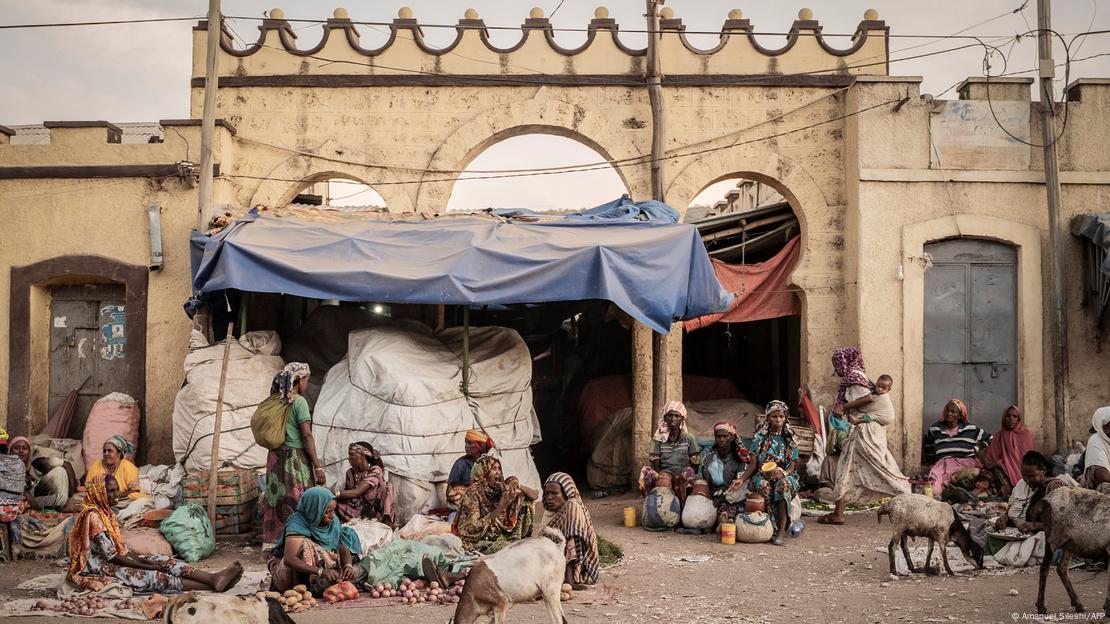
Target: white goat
x: 1078, y: 521
x: 192, y: 608
x: 531, y: 567
x: 914, y: 515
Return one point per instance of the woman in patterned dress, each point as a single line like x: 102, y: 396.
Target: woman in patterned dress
x: 294, y: 466
x: 494, y: 512
x: 774, y: 441
x: 98, y: 556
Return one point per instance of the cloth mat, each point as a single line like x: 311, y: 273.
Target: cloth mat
x: 955, y: 559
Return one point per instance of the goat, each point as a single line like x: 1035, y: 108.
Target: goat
x: 191, y: 608
x: 1077, y: 521
x: 531, y: 567
x: 914, y: 515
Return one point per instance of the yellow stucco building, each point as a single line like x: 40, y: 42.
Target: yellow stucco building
x: 893, y: 191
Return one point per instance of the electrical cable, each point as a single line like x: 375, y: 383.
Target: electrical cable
x: 102, y: 23
x: 1049, y: 96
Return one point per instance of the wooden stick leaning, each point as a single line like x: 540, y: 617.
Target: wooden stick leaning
x: 214, y: 467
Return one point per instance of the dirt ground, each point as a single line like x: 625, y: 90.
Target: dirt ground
x: 829, y: 574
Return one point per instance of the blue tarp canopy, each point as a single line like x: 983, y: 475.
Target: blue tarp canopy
x: 635, y: 255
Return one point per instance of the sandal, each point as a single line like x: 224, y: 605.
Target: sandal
x: 599, y: 494
x: 828, y: 520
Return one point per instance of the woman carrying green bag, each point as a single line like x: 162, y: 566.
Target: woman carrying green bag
x: 294, y: 466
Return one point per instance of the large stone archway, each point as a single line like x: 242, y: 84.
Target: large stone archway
x: 535, y: 115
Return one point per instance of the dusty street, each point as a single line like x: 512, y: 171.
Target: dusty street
x: 830, y: 574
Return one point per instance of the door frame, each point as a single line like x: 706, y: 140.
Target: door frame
x: 28, y: 343
x: 1030, y: 319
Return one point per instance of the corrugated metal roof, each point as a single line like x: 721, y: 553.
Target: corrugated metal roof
x: 134, y: 132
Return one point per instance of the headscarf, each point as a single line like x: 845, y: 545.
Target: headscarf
x: 122, y: 444
x: 481, y: 438
x: 12, y: 441
x: 1007, y: 447
x: 763, y: 435
x: 724, y: 427
x: 848, y: 364
x: 305, y: 522
x: 573, y: 520
x: 488, y: 495
x: 285, y: 380
x: 1098, y: 446
x: 963, y: 418
x: 368, y: 451
x: 663, y: 431
x: 96, y: 504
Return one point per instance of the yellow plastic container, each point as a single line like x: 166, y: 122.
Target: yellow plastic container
x: 929, y: 490
x: 768, y: 466
x: 728, y: 533
x: 629, y: 516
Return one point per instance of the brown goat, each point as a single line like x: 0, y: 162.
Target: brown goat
x: 1076, y: 520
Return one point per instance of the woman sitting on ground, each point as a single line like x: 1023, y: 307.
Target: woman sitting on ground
x: 494, y: 512
x: 1007, y: 448
x: 50, y: 480
x: 98, y: 556
x: 776, y: 443
x: 475, y: 444
x: 567, y: 513
x: 722, y: 464
x: 673, y: 450
x: 1034, y: 485
x: 114, y: 463
x: 366, y: 493
x: 953, y: 443
x: 314, y: 548
x: 1097, y: 456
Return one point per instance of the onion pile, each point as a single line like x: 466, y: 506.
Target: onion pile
x: 419, y: 592
x: 82, y: 605
x: 565, y: 593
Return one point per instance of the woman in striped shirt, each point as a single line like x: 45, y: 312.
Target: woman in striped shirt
x: 953, y: 444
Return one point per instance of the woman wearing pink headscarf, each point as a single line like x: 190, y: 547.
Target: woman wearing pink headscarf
x: 1008, y: 446
x: 953, y: 443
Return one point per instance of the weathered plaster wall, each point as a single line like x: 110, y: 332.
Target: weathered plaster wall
x: 48, y: 218
x: 902, y: 204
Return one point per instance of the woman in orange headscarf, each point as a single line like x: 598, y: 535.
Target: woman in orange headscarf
x: 98, y: 556
x: 476, y: 443
x: 953, y: 443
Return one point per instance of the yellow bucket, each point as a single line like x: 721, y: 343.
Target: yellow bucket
x: 728, y: 533
x: 629, y: 516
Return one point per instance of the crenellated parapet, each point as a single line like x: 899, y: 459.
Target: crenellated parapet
x: 406, y: 58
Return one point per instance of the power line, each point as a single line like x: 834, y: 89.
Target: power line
x: 103, y: 23
x: 637, y: 160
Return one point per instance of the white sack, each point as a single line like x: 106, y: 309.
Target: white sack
x: 250, y: 371
x: 399, y: 389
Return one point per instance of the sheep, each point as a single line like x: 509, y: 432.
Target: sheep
x: 914, y: 515
x: 1075, y: 520
x: 531, y: 567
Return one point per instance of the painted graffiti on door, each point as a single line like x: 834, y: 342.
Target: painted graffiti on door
x: 113, y: 341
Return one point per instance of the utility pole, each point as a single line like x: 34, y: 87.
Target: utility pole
x: 208, y: 119
x: 1047, y: 67
x: 658, y: 141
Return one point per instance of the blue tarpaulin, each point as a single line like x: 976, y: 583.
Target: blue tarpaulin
x: 633, y: 254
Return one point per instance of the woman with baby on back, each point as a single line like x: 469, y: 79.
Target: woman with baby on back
x: 866, y: 470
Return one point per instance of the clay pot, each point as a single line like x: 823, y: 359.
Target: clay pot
x: 701, y: 487
x: 663, y: 480
x: 754, y: 503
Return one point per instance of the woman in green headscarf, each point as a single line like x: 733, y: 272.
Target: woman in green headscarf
x: 314, y: 547
x: 494, y: 512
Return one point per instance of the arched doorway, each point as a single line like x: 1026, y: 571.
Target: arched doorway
x: 971, y: 329
x: 753, y: 235
x: 489, y: 183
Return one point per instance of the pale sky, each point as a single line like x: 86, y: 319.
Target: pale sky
x: 140, y: 72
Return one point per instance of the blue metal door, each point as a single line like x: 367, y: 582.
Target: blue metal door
x: 970, y: 329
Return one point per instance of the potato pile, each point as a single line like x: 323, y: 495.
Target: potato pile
x: 565, y: 593
x: 292, y: 601
x: 419, y: 591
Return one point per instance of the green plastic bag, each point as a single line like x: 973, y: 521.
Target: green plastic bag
x: 190, y: 533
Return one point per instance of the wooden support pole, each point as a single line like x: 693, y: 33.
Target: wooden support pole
x: 208, y: 114
x: 659, y: 348
x: 214, y: 467
x: 643, y: 418
x: 466, y: 351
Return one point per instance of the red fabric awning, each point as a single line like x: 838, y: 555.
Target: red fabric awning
x: 762, y: 290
